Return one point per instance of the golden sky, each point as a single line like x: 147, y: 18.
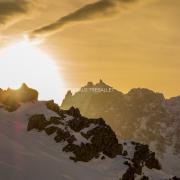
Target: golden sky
x: 140, y: 48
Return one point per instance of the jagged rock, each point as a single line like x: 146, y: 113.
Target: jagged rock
x: 84, y: 138
x: 61, y: 135
x: 70, y: 148
x: 26, y: 94
x: 71, y: 139
x: 103, y: 157
x: 11, y: 105
x: 129, y: 175
x: 143, y: 154
x: 141, y: 114
x: 53, y: 106
x: 84, y: 153
x: 125, y: 153
x: 142, y: 157
x: 51, y: 130
x: 55, y: 120
x: 37, y: 122
x: 74, y: 112
x: 104, y: 139
x: 11, y: 98
x: 88, y: 139
x: 78, y: 124
x: 90, y: 84
x: 144, y: 178
x: 175, y: 178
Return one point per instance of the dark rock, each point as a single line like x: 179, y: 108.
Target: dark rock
x: 79, y: 124
x: 53, y: 106
x: 175, y: 178
x: 142, y: 156
x: 125, y: 153
x: 55, y: 120
x: 71, y: 148
x: 144, y: 178
x: 51, y: 130
x: 103, y: 157
x: 58, y: 139
x: 71, y: 139
x: 127, y: 163
x: 142, y: 153
x: 61, y: 135
x: 152, y: 162
x: 26, y: 94
x: 129, y: 175
x: 74, y: 112
x: 37, y: 122
x: 104, y: 140
x: 11, y: 105
x: 11, y: 98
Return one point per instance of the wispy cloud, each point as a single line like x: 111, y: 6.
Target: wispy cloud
x: 12, y: 10
x: 98, y: 10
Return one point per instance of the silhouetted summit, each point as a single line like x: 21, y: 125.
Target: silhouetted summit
x: 97, y: 88
x: 141, y: 114
x: 11, y: 98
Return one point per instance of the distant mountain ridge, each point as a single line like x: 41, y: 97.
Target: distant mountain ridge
x: 141, y: 114
x: 41, y: 141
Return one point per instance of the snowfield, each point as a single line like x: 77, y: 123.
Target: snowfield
x: 35, y: 156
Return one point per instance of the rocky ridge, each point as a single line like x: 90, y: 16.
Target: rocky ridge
x: 82, y: 139
x: 142, y: 115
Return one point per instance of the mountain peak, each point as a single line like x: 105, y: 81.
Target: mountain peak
x: 101, y: 84
x: 11, y: 98
x: 98, y: 87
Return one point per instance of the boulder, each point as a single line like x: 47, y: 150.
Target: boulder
x: 37, y: 122
x: 51, y: 130
x: 55, y: 120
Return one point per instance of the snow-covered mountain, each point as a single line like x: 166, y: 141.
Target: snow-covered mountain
x: 141, y: 114
x: 41, y: 141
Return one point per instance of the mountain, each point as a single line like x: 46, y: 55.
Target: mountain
x: 41, y: 141
x: 141, y: 114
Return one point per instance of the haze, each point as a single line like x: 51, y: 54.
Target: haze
x: 140, y: 48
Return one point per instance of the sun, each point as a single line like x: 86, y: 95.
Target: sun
x: 24, y: 62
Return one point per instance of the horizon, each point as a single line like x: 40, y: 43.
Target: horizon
x: 75, y: 90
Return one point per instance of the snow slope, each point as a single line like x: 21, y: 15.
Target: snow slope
x: 35, y: 155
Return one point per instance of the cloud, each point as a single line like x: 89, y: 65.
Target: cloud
x: 12, y: 10
x: 98, y: 10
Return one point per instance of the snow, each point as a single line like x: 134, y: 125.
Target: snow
x: 173, y: 161
x: 92, y: 126
x: 68, y: 118
x: 80, y: 139
x: 154, y: 174
x: 33, y: 155
x: 129, y: 148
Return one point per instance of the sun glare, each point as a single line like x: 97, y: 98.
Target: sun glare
x: 24, y: 62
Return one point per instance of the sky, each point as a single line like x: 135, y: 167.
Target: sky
x: 126, y: 43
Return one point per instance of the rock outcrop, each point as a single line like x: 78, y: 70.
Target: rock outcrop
x: 11, y: 99
x: 98, y: 137
x: 142, y: 115
x: 45, y: 138
x: 86, y: 139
